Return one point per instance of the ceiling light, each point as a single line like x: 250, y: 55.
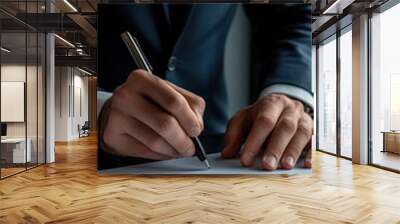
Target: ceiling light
x: 70, y: 5
x: 337, y: 7
x: 84, y: 71
x: 5, y: 50
x: 329, y: 9
x: 65, y: 41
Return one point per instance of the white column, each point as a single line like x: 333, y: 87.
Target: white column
x: 360, y: 90
x: 50, y: 92
x: 50, y: 99
x: 314, y: 89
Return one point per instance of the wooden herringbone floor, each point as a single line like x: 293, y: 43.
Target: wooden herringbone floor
x: 70, y: 191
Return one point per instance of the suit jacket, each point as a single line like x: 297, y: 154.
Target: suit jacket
x: 281, y: 49
x: 193, y: 58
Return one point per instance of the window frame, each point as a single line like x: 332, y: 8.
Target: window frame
x: 378, y: 10
x: 333, y: 37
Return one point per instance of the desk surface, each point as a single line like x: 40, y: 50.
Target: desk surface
x: 391, y: 132
x: 71, y: 191
x: 13, y: 140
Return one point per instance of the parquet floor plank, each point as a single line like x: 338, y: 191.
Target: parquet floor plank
x: 71, y: 191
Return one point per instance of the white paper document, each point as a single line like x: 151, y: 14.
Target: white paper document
x: 192, y: 165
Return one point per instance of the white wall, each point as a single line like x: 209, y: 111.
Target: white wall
x: 62, y: 81
x: 70, y: 84
x: 17, y: 72
x: 33, y: 126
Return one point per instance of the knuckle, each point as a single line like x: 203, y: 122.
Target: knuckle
x: 165, y: 124
x: 288, y: 124
x: 304, y: 129
x: 269, y: 99
x: 238, y: 115
x: 232, y: 120
x: 277, y: 97
x: 108, y: 137
x: 137, y: 74
x: 298, y: 105
x: 109, y: 132
x: 266, y: 120
x: 122, y: 95
x: 175, y: 102
x: 272, y: 99
x: 200, y: 103
x: 285, y: 98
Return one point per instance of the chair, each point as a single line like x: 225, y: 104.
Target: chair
x: 84, y: 129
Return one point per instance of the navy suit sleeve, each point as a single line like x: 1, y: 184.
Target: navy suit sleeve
x: 281, y: 45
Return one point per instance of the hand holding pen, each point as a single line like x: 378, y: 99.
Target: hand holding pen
x: 141, y: 61
x: 152, y: 118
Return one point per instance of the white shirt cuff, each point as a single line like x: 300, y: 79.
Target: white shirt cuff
x: 290, y: 91
x: 102, y: 97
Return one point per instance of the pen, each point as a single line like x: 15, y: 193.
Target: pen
x: 141, y: 61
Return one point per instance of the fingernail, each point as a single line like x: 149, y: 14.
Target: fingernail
x: 248, y: 157
x: 270, y: 161
x: 223, y: 153
x: 289, y: 161
x: 200, y: 119
x: 189, y: 152
x: 307, y: 163
x: 195, y: 131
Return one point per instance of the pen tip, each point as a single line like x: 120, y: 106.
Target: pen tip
x: 207, y: 164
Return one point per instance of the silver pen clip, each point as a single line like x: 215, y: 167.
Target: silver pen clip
x: 138, y: 55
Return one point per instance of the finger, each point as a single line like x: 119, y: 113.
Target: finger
x: 170, y: 100
x: 147, y: 136
x: 196, y: 102
x: 281, y: 136
x: 263, y: 124
x: 235, y: 135
x: 297, y: 144
x: 128, y: 146
x: 161, y: 122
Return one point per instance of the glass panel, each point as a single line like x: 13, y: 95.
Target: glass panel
x: 41, y: 98
x: 32, y: 88
x: 32, y: 96
x: 13, y: 89
x: 23, y: 86
x: 327, y: 96
x: 385, y: 84
x: 346, y: 94
x: 314, y: 90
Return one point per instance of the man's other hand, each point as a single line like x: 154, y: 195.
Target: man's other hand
x: 152, y: 118
x: 275, y: 128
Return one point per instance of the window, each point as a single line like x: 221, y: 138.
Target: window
x: 385, y: 88
x: 346, y: 93
x: 327, y: 96
x: 334, y: 106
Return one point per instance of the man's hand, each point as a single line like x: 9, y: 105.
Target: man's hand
x: 276, y: 128
x: 152, y: 118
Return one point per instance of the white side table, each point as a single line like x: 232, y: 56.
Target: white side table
x: 19, y: 154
